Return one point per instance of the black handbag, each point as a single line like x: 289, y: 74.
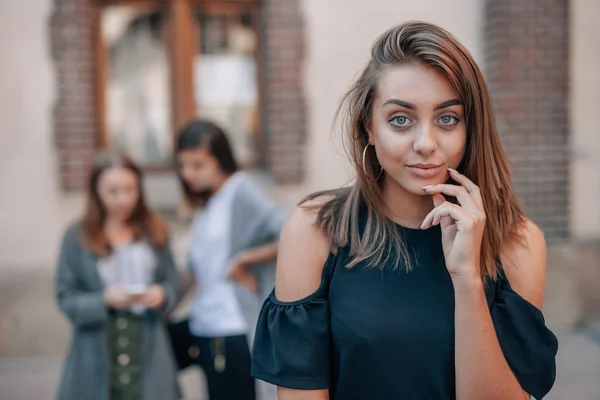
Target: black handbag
x: 184, y: 347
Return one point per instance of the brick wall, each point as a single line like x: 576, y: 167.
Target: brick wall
x: 284, y: 113
x: 72, y: 49
x: 526, y: 58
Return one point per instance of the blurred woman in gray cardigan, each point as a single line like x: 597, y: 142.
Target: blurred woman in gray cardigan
x: 233, y: 247
x: 115, y: 279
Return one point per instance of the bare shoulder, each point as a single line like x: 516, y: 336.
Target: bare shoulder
x: 524, y: 262
x: 303, y: 250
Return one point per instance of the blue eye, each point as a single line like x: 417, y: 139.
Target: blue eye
x: 448, y: 120
x: 400, y: 121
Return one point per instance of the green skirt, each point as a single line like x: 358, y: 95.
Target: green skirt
x: 125, y: 350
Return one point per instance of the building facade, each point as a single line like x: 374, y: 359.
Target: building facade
x: 80, y: 75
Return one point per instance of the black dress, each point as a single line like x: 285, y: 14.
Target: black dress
x: 382, y: 334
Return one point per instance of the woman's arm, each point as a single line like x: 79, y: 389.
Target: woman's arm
x: 291, y: 394
x: 170, y: 280
x: 188, y: 282
x: 83, y: 308
x: 303, y: 251
x: 482, y: 371
x: 258, y: 255
x: 239, y: 269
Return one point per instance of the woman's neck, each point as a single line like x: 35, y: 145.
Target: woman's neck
x: 403, y: 207
x: 118, y: 232
x: 115, y: 223
x: 220, y: 182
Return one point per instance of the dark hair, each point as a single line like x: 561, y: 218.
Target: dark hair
x: 202, y: 133
x: 142, y: 219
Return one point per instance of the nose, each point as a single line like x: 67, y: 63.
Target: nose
x: 425, y: 141
x: 123, y: 199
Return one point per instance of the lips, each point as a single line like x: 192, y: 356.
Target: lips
x: 426, y: 170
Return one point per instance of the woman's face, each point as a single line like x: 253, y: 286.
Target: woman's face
x: 199, y: 169
x: 417, y: 127
x: 119, y: 192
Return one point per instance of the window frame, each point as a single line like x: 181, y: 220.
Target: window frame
x: 181, y: 31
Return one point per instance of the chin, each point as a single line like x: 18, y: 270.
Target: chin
x: 197, y: 188
x: 123, y: 217
x: 417, y: 190
x: 414, y: 184
x: 410, y: 185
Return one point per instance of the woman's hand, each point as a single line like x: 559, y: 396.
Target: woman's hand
x: 239, y: 271
x: 116, y: 297
x: 154, y: 297
x: 462, y: 225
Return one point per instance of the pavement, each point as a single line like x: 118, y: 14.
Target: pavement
x: 33, y: 335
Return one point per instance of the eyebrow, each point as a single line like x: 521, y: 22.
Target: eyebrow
x: 446, y: 104
x: 410, y: 106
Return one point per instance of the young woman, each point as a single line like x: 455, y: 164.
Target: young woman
x: 424, y: 279
x: 233, y: 245
x: 115, y: 279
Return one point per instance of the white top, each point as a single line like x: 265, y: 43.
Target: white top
x: 131, y: 266
x: 215, y: 311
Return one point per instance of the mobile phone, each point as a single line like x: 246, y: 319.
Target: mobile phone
x: 138, y: 289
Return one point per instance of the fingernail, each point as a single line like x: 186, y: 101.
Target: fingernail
x: 453, y: 170
x: 420, y: 225
x: 427, y: 187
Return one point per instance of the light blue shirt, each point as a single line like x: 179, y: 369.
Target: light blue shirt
x: 216, y: 310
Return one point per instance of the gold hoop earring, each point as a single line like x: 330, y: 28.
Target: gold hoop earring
x: 364, y: 157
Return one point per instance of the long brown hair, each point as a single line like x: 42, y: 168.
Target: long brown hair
x: 485, y: 163
x: 144, y: 222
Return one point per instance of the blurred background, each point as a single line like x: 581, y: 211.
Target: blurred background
x: 80, y: 75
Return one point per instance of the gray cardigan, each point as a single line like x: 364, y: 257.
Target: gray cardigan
x: 80, y: 296
x: 255, y: 220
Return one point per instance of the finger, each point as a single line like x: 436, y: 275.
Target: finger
x: 464, y: 197
x: 153, y: 303
x: 253, y: 285
x: 446, y: 222
x: 468, y: 184
x: 438, y: 200
x: 148, y: 301
x: 463, y: 219
x: 442, y: 220
x: 136, y: 298
x: 250, y: 283
x: 156, y: 303
x: 447, y: 209
x: 232, y: 272
x: 436, y: 218
x: 233, y: 276
x: 429, y: 217
x: 143, y: 302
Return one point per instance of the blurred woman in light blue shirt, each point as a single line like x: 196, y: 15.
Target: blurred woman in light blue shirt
x: 233, y: 246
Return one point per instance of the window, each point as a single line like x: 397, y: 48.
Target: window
x: 225, y: 75
x: 163, y: 63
